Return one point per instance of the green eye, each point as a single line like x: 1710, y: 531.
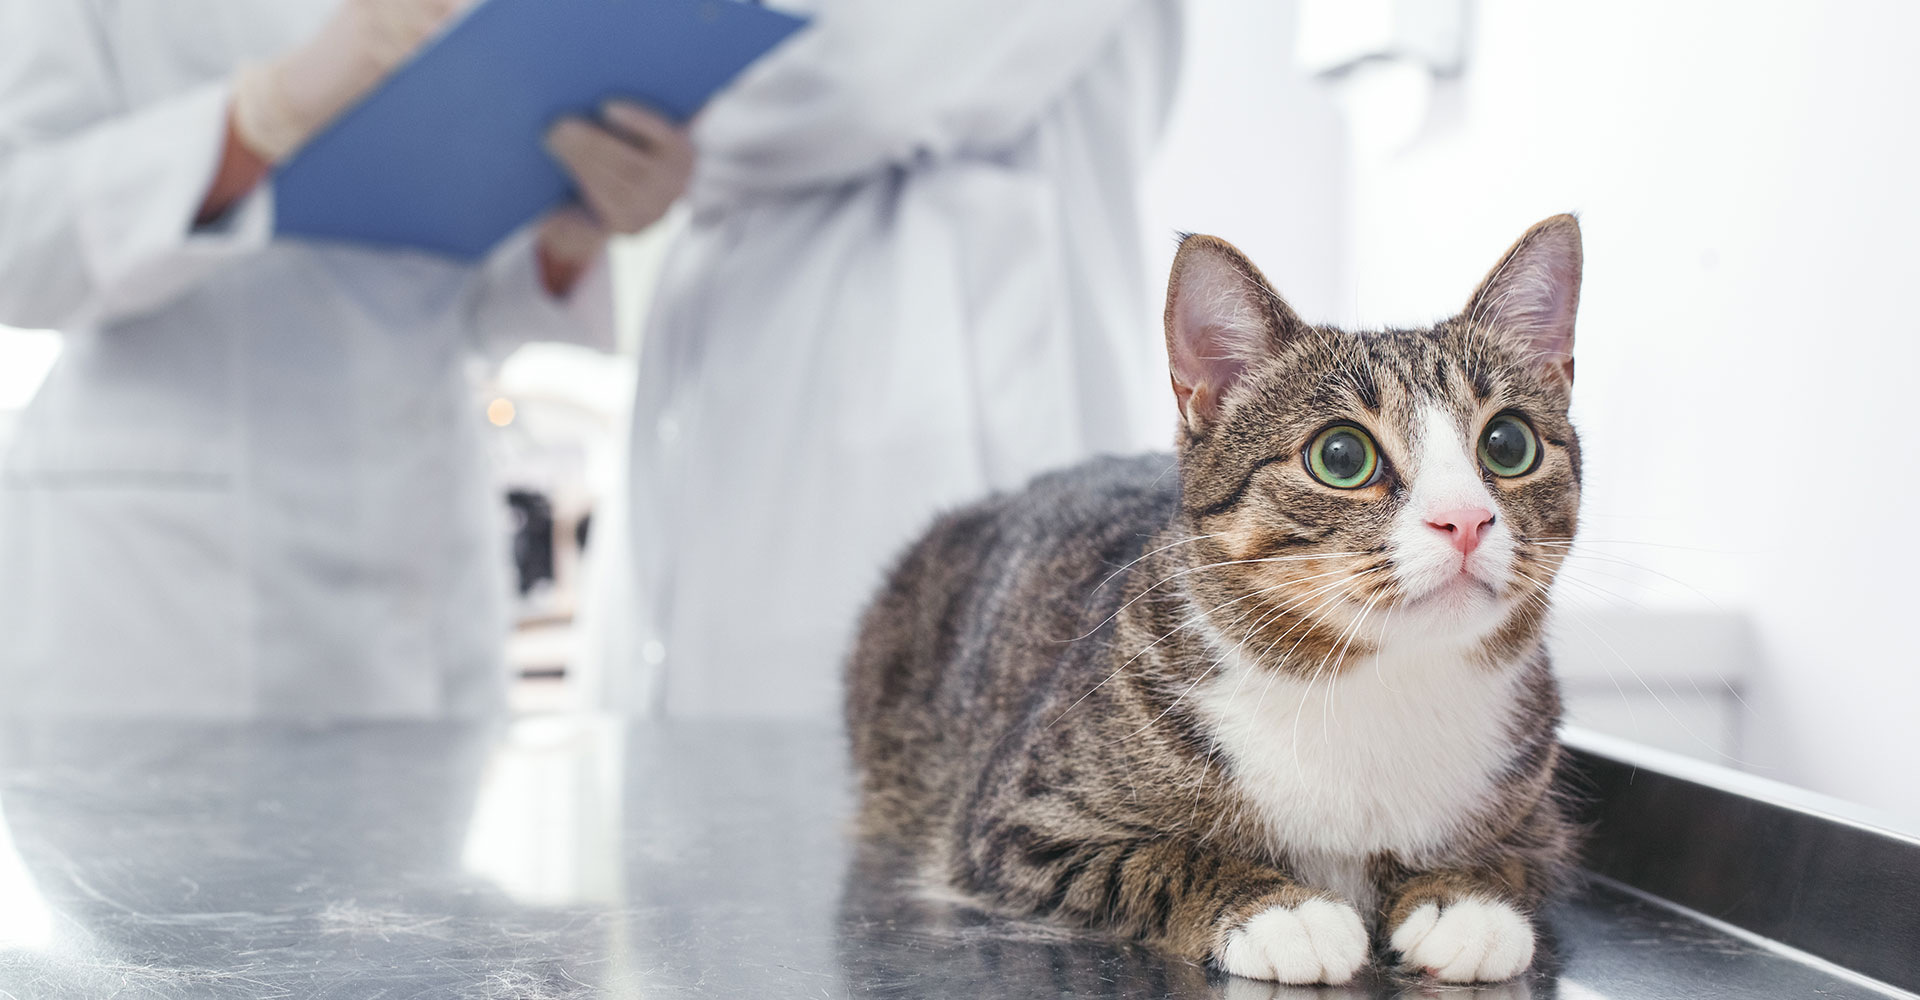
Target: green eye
x: 1508, y: 447
x: 1343, y: 456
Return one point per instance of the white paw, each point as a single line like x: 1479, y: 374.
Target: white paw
x: 1470, y: 941
x: 1319, y: 941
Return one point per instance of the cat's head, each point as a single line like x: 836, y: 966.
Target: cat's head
x: 1352, y: 490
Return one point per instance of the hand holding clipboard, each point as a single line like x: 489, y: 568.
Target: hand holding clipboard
x: 447, y: 155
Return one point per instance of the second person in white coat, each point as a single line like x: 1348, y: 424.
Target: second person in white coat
x: 913, y: 275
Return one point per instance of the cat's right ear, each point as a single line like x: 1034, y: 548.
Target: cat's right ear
x: 1222, y: 317
x: 1530, y: 297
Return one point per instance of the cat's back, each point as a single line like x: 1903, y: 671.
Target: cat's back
x: 983, y: 601
x: 1064, y: 525
x: 1081, y: 514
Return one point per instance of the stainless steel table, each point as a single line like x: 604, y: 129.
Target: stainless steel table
x: 583, y: 857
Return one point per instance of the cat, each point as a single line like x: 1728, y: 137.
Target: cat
x: 1278, y: 702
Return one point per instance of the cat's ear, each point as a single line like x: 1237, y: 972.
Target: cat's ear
x: 1530, y: 296
x: 1222, y: 317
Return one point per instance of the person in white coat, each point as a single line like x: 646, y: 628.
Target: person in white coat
x: 913, y: 274
x: 253, y: 484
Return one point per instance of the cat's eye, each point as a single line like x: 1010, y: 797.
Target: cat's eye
x: 1508, y: 446
x: 1344, y: 457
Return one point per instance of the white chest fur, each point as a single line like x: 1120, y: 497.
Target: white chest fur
x: 1396, y: 754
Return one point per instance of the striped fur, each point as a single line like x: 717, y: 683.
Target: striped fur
x: 1192, y: 699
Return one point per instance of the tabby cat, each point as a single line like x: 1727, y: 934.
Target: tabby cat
x: 1289, y: 704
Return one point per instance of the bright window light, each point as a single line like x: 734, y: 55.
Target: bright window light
x: 25, y: 358
x: 25, y: 920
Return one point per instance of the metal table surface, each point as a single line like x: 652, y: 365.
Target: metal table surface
x: 568, y: 857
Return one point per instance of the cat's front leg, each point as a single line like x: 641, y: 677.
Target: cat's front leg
x: 1248, y: 918
x: 1294, y: 936
x: 1459, y: 927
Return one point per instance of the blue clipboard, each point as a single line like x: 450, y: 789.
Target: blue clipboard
x: 447, y: 155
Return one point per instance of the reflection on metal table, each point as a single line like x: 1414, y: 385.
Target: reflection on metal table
x: 564, y: 857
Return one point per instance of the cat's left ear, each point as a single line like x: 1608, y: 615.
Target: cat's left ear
x: 1530, y: 296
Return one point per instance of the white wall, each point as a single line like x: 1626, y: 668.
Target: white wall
x: 1747, y: 355
x: 1254, y: 153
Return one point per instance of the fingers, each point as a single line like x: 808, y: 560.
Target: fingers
x: 670, y: 142
x: 612, y: 174
x: 638, y: 123
x: 628, y: 177
x: 571, y: 233
x: 640, y: 126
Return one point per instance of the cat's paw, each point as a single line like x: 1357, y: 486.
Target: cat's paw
x: 1318, y: 941
x: 1471, y: 940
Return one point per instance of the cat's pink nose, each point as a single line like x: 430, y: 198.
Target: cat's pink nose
x: 1464, y: 525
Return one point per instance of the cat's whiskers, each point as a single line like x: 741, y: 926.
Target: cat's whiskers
x: 1247, y: 634
x: 1191, y: 620
x: 1337, y: 659
x: 1581, y: 617
x: 1201, y: 616
x: 1213, y: 750
x: 1195, y: 569
x: 1282, y: 609
x: 1594, y: 588
x: 1565, y: 540
x: 1618, y: 560
x: 1200, y: 676
x: 1329, y: 665
x: 1307, y: 619
x: 1577, y: 615
x: 1387, y: 586
x: 1381, y: 640
x: 1272, y: 675
x: 1600, y: 591
x: 1537, y: 597
x: 1137, y: 559
x: 1304, y: 620
x: 1295, y: 604
x: 1606, y: 569
x: 1222, y: 658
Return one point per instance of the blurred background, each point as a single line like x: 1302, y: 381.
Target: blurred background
x: 1746, y: 343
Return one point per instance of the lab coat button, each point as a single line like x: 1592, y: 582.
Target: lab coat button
x: 668, y: 429
x: 654, y: 652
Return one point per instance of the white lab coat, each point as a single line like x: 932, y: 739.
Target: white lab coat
x: 913, y: 274
x: 253, y: 484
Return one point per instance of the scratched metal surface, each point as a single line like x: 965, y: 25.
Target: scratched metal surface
x: 571, y: 858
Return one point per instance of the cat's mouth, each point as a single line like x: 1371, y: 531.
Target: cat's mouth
x: 1462, y: 591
